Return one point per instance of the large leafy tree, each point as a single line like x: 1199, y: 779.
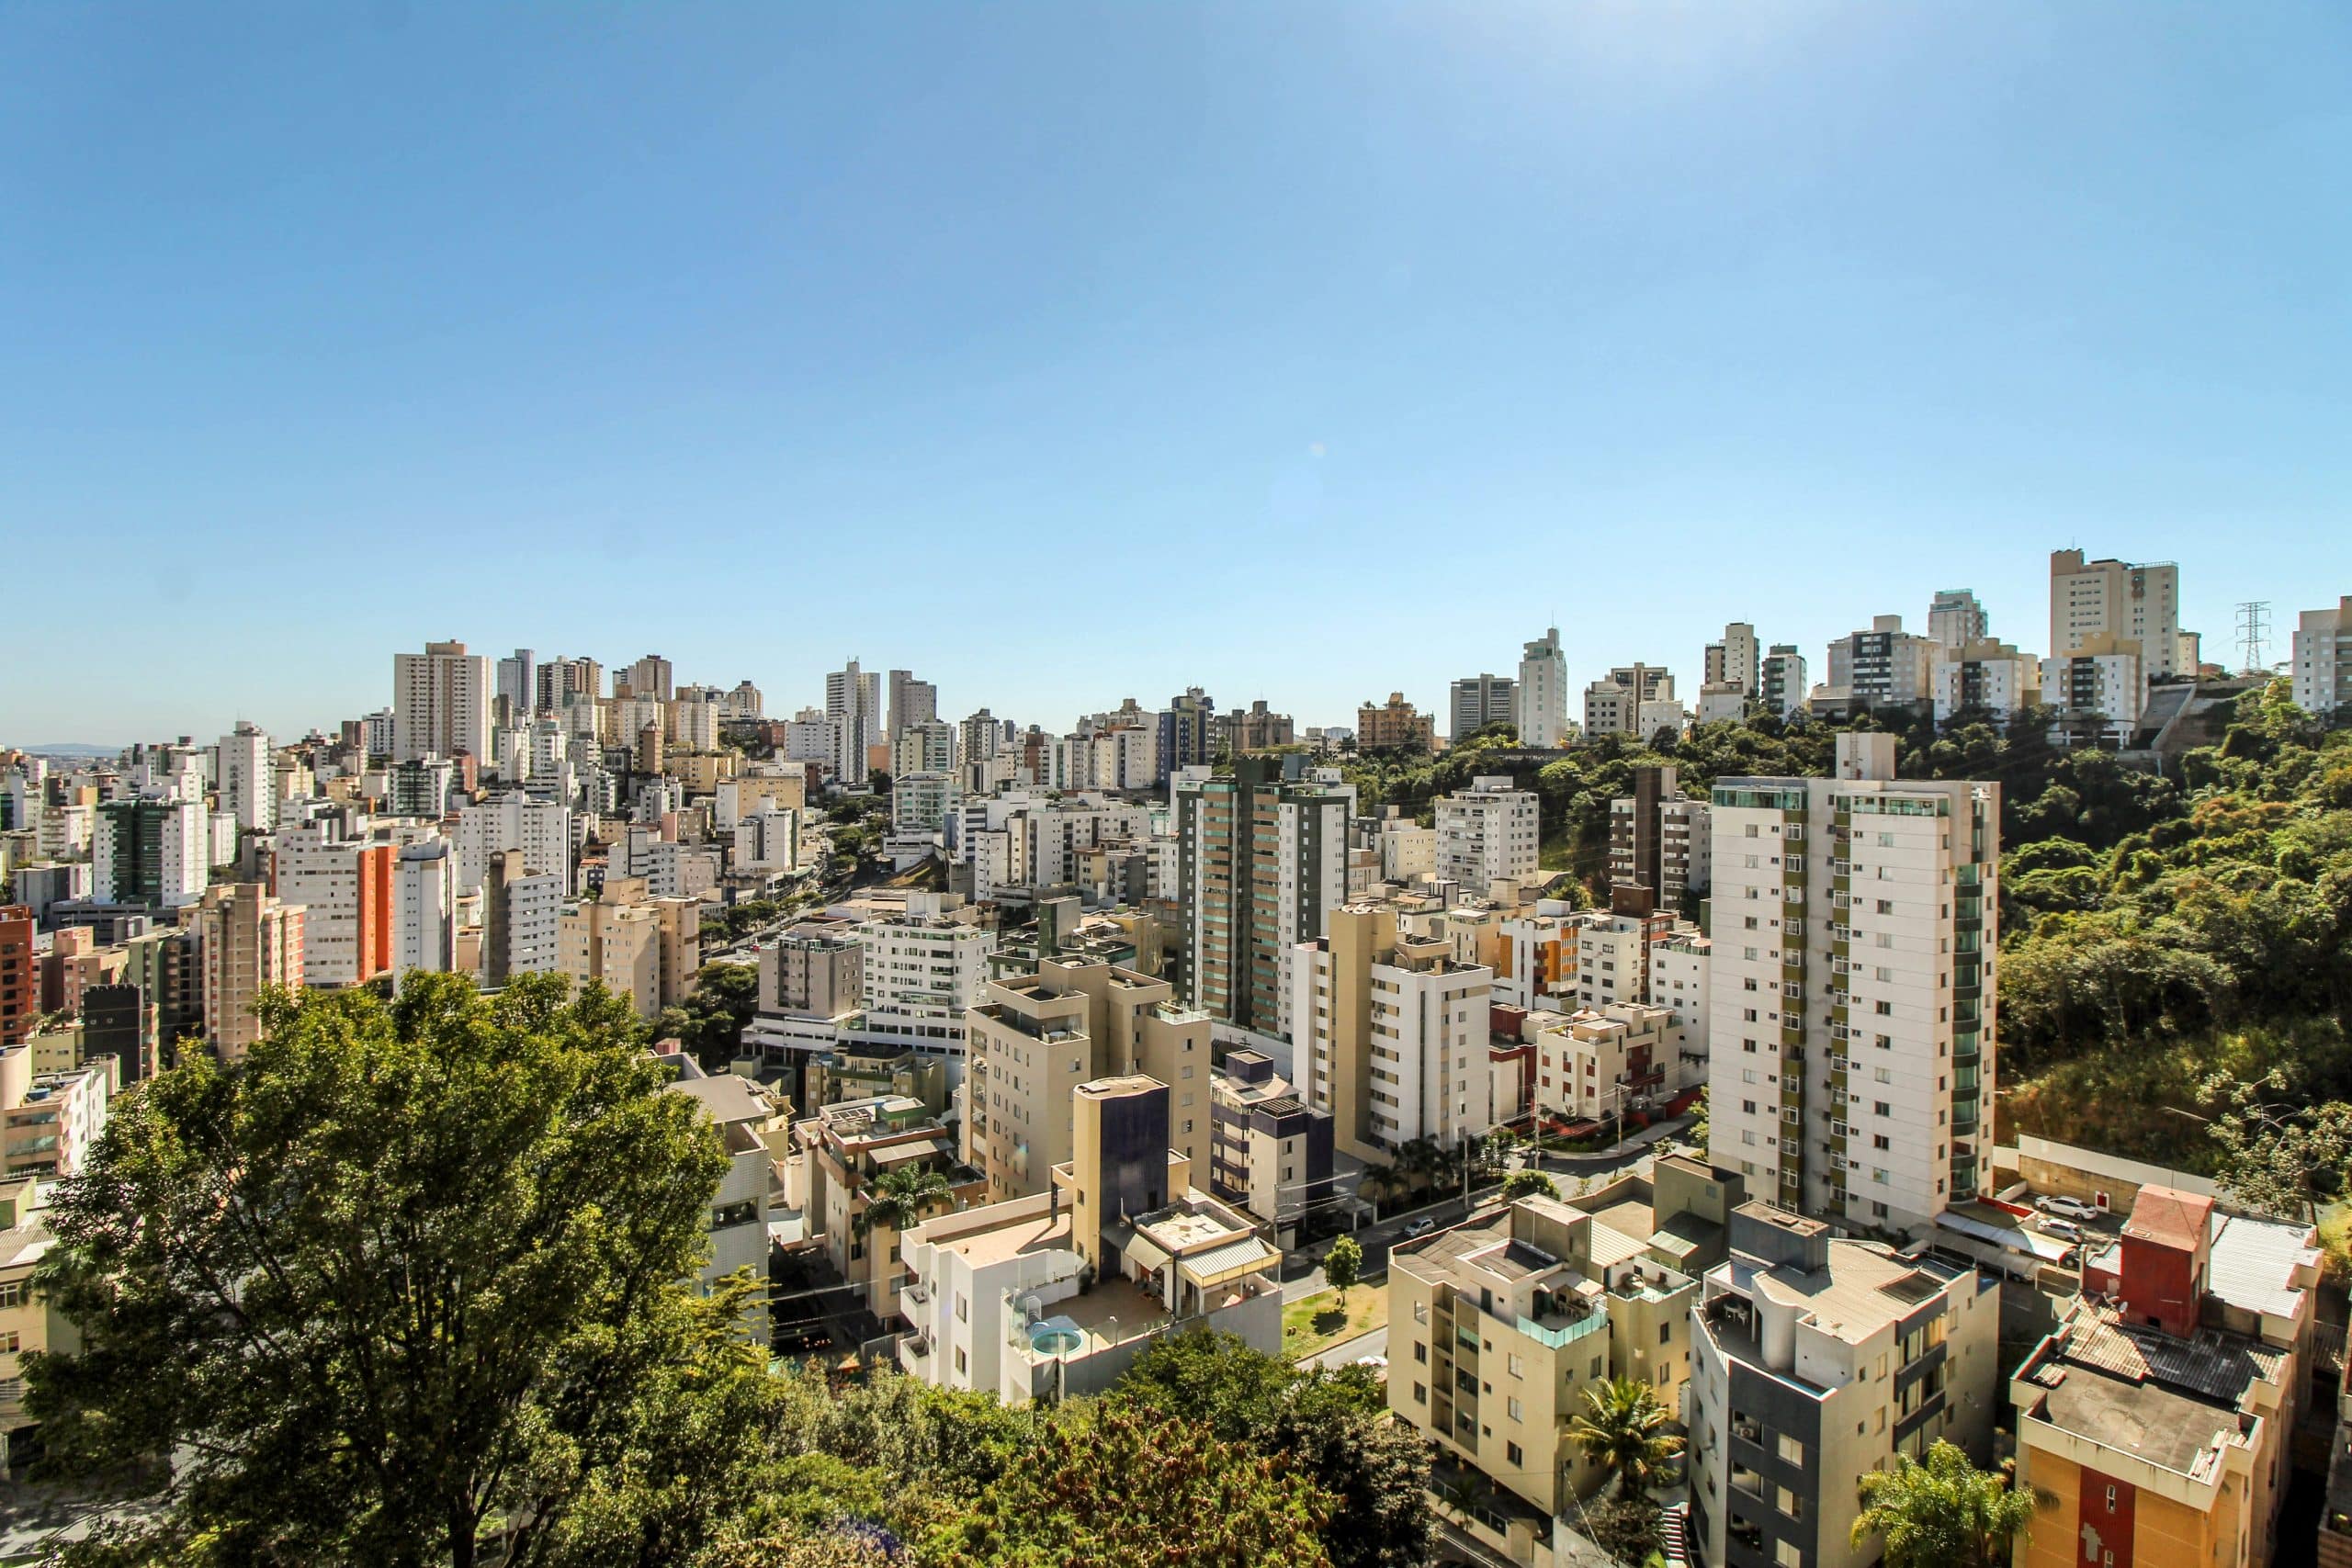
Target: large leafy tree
x: 710, y: 1022
x: 392, y: 1287
x: 903, y: 1199
x: 1120, y: 1486
x: 1333, y: 1426
x: 1623, y: 1429
x: 1945, y: 1513
x: 1343, y: 1265
x: 1529, y: 1184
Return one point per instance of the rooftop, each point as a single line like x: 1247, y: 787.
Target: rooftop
x: 2136, y: 1389
x: 2255, y: 1264
x: 2170, y: 1217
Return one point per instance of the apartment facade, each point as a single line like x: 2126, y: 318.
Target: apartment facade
x: 1490, y: 832
x: 247, y: 941
x: 249, y: 777
x: 1955, y: 619
x: 1477, y: 701
x: 440, y: 703
x: 1543, y: 693
x: 637, y: 945
x: 1855, y: 924
x: 1883, y: 667
x: 1391, y: 1035
x: 1628, y: 700
x: 1270, y: 1151
x: 847, y: 1148
x: 920, y: 973
x: 2321, y: 662
x: 1785, y: 687
x: 522, y: 919
x: 1500, y: 1325
x: 1816, y: 1361
x: 1659, y: 838
x: 1393, y: 725
x: 2103, y: 678
x: 1593, y: 1066
x: 1736, y: 660
x: 2138, y: 603
x: 151, y: 852
x: 1982, y: 676
x: 345, y: 886
x: 1260, y: 859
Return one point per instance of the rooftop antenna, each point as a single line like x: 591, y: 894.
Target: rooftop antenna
x: 2254, y: 632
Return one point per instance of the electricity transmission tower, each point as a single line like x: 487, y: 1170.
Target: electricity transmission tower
x: 2254, y: 633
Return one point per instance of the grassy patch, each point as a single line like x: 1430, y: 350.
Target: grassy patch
x: 1317, y: 1322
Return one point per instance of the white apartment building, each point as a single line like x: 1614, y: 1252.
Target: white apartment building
x: 1629, y: 700
x: 1407, y: 850
x: 812, y: 736
x: 913, y: 701
x: 1984, y: 676
x: 1593, y: 1064
x: 1678, y: 972
x: 2117, y: 599
x: 1476, y: 700
x: 1542, y: 694
x: 2322, y: 660
x: 854, y: 700
x: 927, y: 746
x: 425, y: 908
x: 542, y: 830
x: 1390, y: 1034
x: 2105, y: 676
x: 249, y: 777
x: 440, y: 703
x: 522, y: 919
x: 922, y: 970
x: 1721, y: 702
x: 1785, y: 687
x: 1852, y: 988
x: 151, y: 851
x: 1488, y: 833
x: 694, y: 726
x: 920, y: 803
x: 767, y: 841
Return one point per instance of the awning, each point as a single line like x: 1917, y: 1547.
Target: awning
x: 919, y: 1148
x: 1230, y: 1262
x: 1144, y: 1253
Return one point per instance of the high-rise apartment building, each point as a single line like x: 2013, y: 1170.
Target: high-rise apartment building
x: 1542, y: 694
x: 345, y: 886
x: 246, y: 940
x: 249, y: 778
x: 922, y: 970
x: 1855, y: 920
x: 982, y: 737
x: 1254, y: 728
x: 522, y: 913
x: 639, y: 945
x: 913, y: 701
x: 151, y: 852
x: 927, y: 746
x: 1883, y: 667
x: 1984, y: 677
x: 1659, y: 839
x: 440, y: 703
x: 1260, y: 859
x: 517, y: 685
x: 425, y: 908
x: 1490, y: 832
x: 2322, y: 664
x: 1735, y: 661
x: 2117, y: 599
x: 650, y: 679
x: 1393, y: 725
x: 853, y: 701
x: 1391, y: 1035
x: 1188, y: 732
x: 2102, y: 681
x: 541, y: 830
x: 1956, y: 619
x: 1814, y: 1360
x: 1034, y: 1036
x: 1478, y: 701
x: 1785, y: 687
x: 19, y: 976
x: 1626, y: 700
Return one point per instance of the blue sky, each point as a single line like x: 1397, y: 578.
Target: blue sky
x: 1068, y: 353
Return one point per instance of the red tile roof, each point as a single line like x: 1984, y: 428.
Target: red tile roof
x: 2170, y: 1218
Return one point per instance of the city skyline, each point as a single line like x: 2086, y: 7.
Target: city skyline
x: 747, y: 335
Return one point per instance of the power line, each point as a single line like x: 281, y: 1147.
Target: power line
x: 2254, y: 631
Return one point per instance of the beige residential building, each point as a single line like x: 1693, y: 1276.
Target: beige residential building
x: 1396, y: 723
x: 1391, y: 1032
x: 641, y: 947
x: 1071, y: 1022
x: 1592, y: 1066
x: 29, y: 1322
x: 849, y: 1147
x: 246, y: 940
x: 1490, y: 832
x: 2137, y: 603
x: 1499, y: 1325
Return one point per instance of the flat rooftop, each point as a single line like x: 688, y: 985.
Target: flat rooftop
x: 2136, y: 1389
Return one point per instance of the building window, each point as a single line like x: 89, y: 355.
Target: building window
x: 1420, y: 1394
x: 1513, y: 1455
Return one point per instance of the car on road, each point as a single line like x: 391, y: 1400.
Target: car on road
x: 2072, y: 1208
x: 1377, y: 1363
x: 2064, y: 1230
x: 1416, y: 1229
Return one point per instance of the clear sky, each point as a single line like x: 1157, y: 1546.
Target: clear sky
x: 1068, y: 353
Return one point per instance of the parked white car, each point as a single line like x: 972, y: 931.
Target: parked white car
x: 2072, y: 1208
x: 2064, y: 1230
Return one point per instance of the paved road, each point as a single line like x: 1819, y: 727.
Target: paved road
x: 1348, y: 1351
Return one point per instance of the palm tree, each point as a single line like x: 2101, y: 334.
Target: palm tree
x: 1380, y: 1179
x: 903, y: 1200
x: 1622, y: 1427
x: 1945, y: 1513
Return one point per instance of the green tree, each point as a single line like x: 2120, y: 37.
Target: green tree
x: 1623, y: 1428
x: 1523, y: 1183
x: 1696, y: 1135
x: 710, y: 1021
x: 2281, y: 1155
x: 1628, y: 1529
x: 903, y: 1199
x: 1333, y: 1426
x: 396, y: 1283
x: 1117, y: 1485
x: 1945, y: 1513
x: 1342, y: 1265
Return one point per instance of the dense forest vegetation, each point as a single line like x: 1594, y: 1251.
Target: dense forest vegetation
x: 2157, y: 930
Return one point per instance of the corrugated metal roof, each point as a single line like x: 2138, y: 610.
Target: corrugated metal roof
x: 2254, y: 1261
x: 1210, y: 1267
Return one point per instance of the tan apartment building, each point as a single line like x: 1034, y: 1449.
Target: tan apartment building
x: 849, y: 1147
x: 29, y: 1322
x: 1032, y: 1037
x: 1396, y: 723
x: 246, y: 940
x: 1595, y: 1064
x: 1392, y: 1034
x: 1499, y: 1325
x: 642, y: 947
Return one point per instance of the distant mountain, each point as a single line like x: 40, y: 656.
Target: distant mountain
x: 74, y: 750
